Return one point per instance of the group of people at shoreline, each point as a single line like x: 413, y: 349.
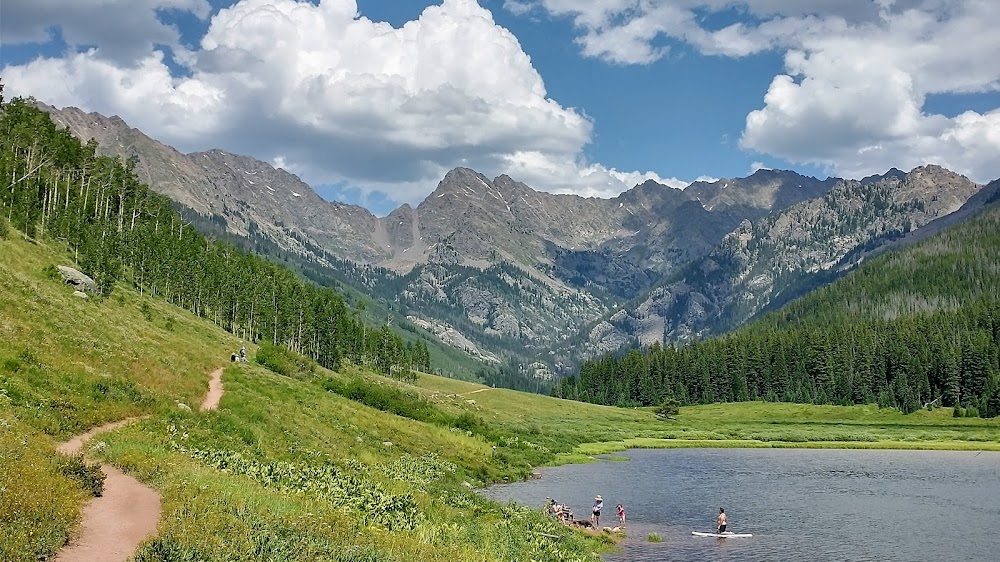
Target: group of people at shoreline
x: 563, y: 513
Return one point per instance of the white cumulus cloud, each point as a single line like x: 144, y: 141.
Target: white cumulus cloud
x: 340, y: 99
x: 858, y: 73
x: 126, y: 30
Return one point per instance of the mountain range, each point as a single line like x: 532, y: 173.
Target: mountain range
x: 498, y: 269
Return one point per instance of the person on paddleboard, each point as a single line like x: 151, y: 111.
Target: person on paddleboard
x: 721, y: 520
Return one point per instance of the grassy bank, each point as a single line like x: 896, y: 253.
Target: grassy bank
x: 575, y: 432
x: 314, y: 465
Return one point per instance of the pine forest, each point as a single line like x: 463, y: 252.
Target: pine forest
x: 119, y: 230
x: 917, y: 327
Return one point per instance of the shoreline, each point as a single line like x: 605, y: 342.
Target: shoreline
x: 586, y: 452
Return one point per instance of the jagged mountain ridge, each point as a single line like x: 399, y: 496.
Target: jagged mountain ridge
x: 514, y: 270
x: 248, y: 194
x: 767, y: 262
x: 480, y: 220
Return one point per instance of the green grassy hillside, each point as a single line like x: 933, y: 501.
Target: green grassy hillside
x: 283, y: 471
x: 289, y: 469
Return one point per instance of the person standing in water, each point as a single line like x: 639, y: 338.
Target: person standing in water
x: 621, y: 515
x: 595, y: 515
x: 722, y: 520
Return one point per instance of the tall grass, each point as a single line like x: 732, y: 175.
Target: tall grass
x: 38, y: 501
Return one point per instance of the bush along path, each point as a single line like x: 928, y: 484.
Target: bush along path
x: 128, y: 511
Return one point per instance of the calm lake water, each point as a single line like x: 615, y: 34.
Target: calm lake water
x: 799, y: 504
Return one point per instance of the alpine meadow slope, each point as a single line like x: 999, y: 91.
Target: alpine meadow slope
x: 284, y: 469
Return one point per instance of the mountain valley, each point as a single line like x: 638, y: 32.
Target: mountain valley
x: 499, y: 270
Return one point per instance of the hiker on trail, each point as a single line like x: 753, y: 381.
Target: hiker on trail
x: 243, y: 354
x: 595, y: 515
x: 621, y: 515
x: 722, y: 520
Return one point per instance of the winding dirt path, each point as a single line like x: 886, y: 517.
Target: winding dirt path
x: 114, y: 524
x: 128, y: 512
x: 214, y: 391
x: 75, y: 445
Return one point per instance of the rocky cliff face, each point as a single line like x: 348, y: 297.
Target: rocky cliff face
x: 768, y: 261
x: 252, y: 197
x: 496, y: 267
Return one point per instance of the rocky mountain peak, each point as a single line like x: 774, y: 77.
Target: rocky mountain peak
x: 461, y: 181
x: 892, y: 173
x: 761, y: 192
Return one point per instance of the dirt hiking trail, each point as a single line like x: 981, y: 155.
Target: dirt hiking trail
x: 128, y: 511
x: 75, y: 445
x: 214, y: 391
x: 113, y: 525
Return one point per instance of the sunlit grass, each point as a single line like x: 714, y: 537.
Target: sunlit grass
x: 68, y: 364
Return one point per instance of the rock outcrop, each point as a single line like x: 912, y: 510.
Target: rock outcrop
x: 81, y: 281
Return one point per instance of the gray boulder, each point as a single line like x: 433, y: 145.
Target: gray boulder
x: 80, y: 294
x: 79, y: 280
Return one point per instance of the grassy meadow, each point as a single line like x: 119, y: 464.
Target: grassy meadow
x: 314, y: 465
x: 575, y: 432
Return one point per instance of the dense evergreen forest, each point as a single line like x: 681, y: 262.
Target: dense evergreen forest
x: 119, y: 230
x: 912, y: 328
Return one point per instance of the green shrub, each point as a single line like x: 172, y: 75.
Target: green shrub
x: 958, y: 412
x: 654, y: 537
x: 373, y: 500
x: 4, y: 228
x: 147, y: 311
x: 972, y: 412
x: 386, y: 399
x: 469, y: 422
x: 668, y: 409
x: 89, y: 476
x: 992, y: 408
x: 166, y: 549
x: 283, y: 361
x: 51, y: 272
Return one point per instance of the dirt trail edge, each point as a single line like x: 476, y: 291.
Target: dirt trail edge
x: 128, y: 512
x: 214, y: 391
x: 114, y: 524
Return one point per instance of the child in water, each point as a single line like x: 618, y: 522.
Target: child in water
x: 621, y: 515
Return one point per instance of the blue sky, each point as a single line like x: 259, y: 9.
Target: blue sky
x: 372, y: 102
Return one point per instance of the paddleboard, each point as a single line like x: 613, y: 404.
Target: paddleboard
x: 726, y: 535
